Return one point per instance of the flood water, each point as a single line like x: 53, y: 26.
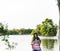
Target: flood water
x: 23, y: 43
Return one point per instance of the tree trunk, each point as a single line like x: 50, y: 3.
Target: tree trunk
x: 58, y: 4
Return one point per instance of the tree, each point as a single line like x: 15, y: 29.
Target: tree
x: 46, y: 28
x: 3, y: 29
x: 4, y: 32
x: 26, y: 31
x: 37, y: 30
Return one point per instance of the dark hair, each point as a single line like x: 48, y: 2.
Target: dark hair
x: 35, y: 37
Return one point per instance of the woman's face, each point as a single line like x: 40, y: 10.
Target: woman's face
x: 36, y: 35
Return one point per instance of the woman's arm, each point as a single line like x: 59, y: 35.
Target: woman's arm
x: 39, y: 40
x: 32, y: 43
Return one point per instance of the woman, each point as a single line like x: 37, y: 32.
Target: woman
x: 36, y: 42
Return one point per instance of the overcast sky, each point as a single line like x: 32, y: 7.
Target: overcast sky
x: 27, y: 13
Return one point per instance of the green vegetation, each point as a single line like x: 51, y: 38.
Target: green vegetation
x: 4, y: 34
x: 46, y: 28
x: 17, y: 31
x: 48, y: 43
x: 4, y: 30
x: 26, y: 31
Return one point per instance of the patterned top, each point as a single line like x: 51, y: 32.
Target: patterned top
x: 36, y: 44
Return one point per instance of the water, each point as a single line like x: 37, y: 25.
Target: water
x: 23, y: 43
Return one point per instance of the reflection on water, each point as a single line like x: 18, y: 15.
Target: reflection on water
x: 48, y: 43
x: 24, y: 43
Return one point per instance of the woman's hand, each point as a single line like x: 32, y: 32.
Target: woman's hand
x: 32, y: 44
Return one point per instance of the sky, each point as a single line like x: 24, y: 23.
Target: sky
x: 27, y: 13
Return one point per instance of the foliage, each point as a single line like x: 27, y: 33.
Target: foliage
x: 13, y: 32
x: 26, y: 31
x: 10, y: 45
x: 3, y: 29
x: 48, y: 43
x: 46, y: 28
x: 4, y: 34
x: 17, y: 31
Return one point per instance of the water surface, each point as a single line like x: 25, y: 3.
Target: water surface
x: 23, y: 43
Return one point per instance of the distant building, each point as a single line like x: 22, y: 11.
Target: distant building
x: 20, y: 33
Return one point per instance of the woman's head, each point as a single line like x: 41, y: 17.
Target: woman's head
x: 35, y: 35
